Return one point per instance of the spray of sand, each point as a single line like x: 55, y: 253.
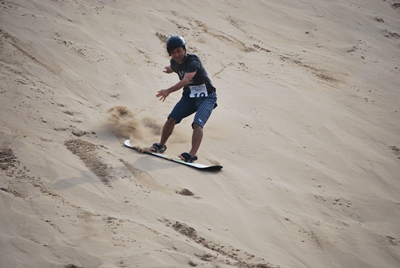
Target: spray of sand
x: 125, y: 123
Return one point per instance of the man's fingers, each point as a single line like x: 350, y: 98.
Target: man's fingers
x: 162, y: 95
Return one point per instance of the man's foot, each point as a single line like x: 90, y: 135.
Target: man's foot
x: 188, y: 157
x: 157, y: 148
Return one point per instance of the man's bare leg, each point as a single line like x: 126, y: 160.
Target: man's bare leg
x: 197, y: 137
x: 167, y: 130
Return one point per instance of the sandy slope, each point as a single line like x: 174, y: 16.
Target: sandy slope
x: 307, y: 130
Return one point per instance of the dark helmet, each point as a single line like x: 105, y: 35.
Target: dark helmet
x: 175, y: 41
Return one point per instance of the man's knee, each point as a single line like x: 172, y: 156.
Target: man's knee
x: 196, y: 126
x: 171, y: 121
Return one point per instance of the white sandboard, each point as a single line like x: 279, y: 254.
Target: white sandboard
x: 127, y: 143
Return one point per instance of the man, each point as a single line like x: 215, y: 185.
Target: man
x: 199, y: 96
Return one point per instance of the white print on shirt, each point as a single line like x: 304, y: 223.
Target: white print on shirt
x: 181, y: 74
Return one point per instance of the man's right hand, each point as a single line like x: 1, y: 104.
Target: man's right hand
x: 168, y: 69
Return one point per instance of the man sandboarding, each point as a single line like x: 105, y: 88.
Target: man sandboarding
x: 199, y: 96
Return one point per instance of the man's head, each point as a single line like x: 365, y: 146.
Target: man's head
x: 175, y: 41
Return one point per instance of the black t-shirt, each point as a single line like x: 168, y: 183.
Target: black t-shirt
x: 190, y: 65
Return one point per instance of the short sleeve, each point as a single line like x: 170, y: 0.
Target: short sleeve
x: 193, y: 66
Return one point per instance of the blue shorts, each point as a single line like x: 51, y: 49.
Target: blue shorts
x: 201, y: 106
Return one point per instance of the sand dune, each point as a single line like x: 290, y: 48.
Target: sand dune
x: 307, y: 129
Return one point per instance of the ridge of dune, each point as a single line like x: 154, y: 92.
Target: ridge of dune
x: 307, y: 129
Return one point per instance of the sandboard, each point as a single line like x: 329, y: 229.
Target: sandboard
x: 127, y: 143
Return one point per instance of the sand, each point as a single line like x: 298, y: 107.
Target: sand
x: 307, y: 129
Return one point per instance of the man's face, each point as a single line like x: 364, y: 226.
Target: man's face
x: 178, y: 54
